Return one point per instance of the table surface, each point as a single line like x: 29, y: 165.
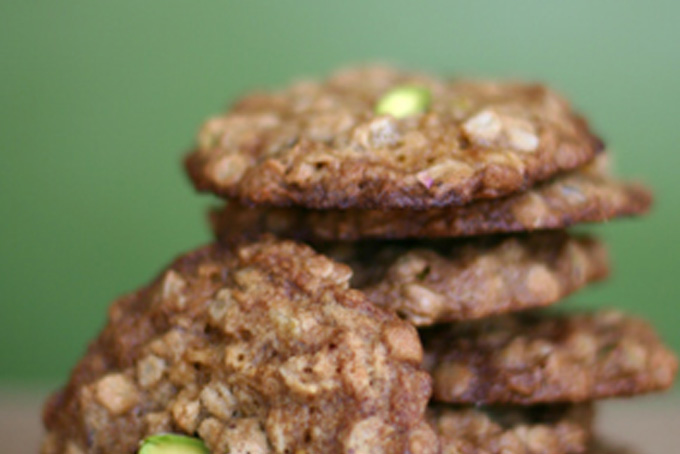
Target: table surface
x: 649, y: 425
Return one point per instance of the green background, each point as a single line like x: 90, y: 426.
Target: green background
x: 99, y: 100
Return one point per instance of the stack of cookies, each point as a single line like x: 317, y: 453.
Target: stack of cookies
x: 379, y: 285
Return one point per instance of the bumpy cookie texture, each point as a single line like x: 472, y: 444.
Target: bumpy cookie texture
x: 321, y: 144
x: 513, y: 430
x: 582, y: 196
x: 260, y: 349
x: 536, y: 357
x: 428, y: 282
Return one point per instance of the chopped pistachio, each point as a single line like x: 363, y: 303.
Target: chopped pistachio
x: 172, y: 444
x: 404, y: 101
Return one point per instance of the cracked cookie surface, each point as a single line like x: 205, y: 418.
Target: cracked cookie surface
x: 259, y: 348
x: 320, y: 144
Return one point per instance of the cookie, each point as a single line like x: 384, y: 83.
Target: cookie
x: 256, y: 349
x: 334, y: 144
x: 513, y: 430
x: 428, y: 282
x: 600, y: 446
x: 582, y: 196
x: 537, y: 357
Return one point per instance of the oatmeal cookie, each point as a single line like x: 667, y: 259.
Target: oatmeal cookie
x: 260, y: 348
x: 513, y: 430
x: 537, y: 357
x: 601, y: 446
x: 429, y: 282
x: 331, y: 144
x: 582, y: 196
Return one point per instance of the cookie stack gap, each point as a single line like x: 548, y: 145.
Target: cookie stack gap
x: 449, y: 199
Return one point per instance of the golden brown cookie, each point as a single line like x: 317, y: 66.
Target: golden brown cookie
x: 513, y: 430
x: 538, y: 357
x: 333, y: 144
x: 260, y: 348
x: 582, y: 196
x: 436, y: 281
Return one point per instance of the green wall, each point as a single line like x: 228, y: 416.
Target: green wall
x: 99, y: 100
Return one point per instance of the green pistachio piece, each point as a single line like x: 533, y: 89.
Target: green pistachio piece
x: 404, y: 101
x: 172, y: 444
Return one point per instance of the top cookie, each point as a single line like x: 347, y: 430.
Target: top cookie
x: 381, y: 138
x: 262, y: 348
